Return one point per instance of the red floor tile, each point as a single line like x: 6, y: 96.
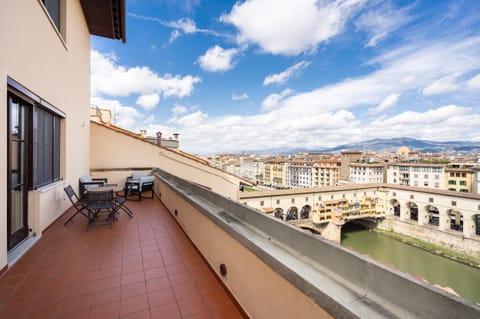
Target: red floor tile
x: 161, y: 297
x: 144, y: 267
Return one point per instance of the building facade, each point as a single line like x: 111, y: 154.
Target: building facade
x: 416, y: 174
x: 326, y: 172
x: 45, y: 81
x: 364, y: 173
x: 459, y: 179
x: 348, y: 157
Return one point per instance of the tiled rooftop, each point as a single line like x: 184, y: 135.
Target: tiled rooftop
x: 144, y: 267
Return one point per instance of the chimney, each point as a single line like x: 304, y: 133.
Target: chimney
x: 143, y: 133
x: 159, y: 138
x: 175, y: 136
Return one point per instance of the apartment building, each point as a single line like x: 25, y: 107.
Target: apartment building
x: 45, y: 81
x: 416, y: 174
x: 326, y: 172
x: 275, y: 173
x: 299, y: 174
x: 460, y: 179
x: 365, y: 173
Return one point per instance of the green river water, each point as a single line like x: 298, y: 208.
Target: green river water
x: 465, y: 280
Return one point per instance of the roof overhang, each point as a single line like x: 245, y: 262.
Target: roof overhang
x: 105, y: 18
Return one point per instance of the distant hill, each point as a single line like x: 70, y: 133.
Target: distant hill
x: 388, y: 145
x: 392, y: 144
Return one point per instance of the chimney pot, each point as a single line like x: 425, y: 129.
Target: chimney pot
x: 176, y: 136
x: 159, y: 138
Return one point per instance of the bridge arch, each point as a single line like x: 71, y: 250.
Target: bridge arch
x: 278, y: 213
x: 292, y: 213
x: 476, y: 223
x: 413, y: 210
x: 455, y: 218
x: 305, y: 212
x: 395, y: 209
x: 433, y: 215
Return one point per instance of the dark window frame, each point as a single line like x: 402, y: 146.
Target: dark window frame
x: 36, y: 148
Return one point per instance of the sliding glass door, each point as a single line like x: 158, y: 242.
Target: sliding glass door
x: 17, y: 216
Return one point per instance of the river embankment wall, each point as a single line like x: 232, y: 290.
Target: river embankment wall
x: 451, y: 240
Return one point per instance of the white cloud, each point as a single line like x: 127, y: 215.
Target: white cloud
x: 272, y: 101
x: 180, y: 26
x: 450, y: 122
x: 179, y: 109
x: 173, y: 36
x: 190, y: 120
x: 382, y: 21
x: 387, y: 103
x: 474, y: 82
x: 236, y: 97
x: 322, y: 129
x: 407, y: 69
x: 289, y: 27
x: 217, y: 59
x: 442, y: 85
x: 148, y: 101
x: 123, y: 116
x: 150, y: 119
x: 282, y: 77
x: 116, y: 80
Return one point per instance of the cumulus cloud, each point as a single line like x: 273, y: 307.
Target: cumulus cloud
x: 449, y: 122
x: 116, y: 80
x: 382, y: 21
x: 189, y: 120
x: 236, y: 97
x: 442, y: 85
x: 474, y: 82
x: 179, y: 109
x: 122, y: 115
x: 272, y: 101
x: 148, y: 101
x: 269, y: 23
x: 387, y: 103
x: 282, y: 77
x: 322, y: 129
x: 217, y: 59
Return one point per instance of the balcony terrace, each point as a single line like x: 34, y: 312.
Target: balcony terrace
x: 144, y: 267
x: 197, y: 254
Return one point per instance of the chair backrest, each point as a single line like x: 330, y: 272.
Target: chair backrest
x: 71, y: 194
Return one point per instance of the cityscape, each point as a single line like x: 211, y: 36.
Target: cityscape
x: 240, y: 159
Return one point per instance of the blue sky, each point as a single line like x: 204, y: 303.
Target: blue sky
x: 252, y: 75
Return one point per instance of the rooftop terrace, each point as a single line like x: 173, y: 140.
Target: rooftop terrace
x: 144, y: 267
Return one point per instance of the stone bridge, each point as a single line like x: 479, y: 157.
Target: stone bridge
x: 447, y: 218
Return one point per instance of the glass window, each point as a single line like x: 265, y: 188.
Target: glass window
x: 46, y: 147
x: 53, y: 8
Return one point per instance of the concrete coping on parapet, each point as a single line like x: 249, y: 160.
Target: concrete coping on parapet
x: 344, y: 283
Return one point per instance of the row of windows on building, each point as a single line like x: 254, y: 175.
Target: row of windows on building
x: 292, y: 200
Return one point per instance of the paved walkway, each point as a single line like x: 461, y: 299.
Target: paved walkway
x: 143, y: 267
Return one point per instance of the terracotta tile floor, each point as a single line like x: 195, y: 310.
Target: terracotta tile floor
x: 143, y: 267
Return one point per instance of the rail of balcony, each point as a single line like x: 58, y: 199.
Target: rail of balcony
x: 276, y: 271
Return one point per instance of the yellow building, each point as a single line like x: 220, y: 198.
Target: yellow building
x: 274, y: 173
x: 326, y: 172
x: 459, y: 179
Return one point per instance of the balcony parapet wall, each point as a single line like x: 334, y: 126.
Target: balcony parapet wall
x: 322, y: 276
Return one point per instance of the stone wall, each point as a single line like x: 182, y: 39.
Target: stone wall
x: 449, y: 239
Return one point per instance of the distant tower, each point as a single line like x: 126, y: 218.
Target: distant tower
x: 347, y: 158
